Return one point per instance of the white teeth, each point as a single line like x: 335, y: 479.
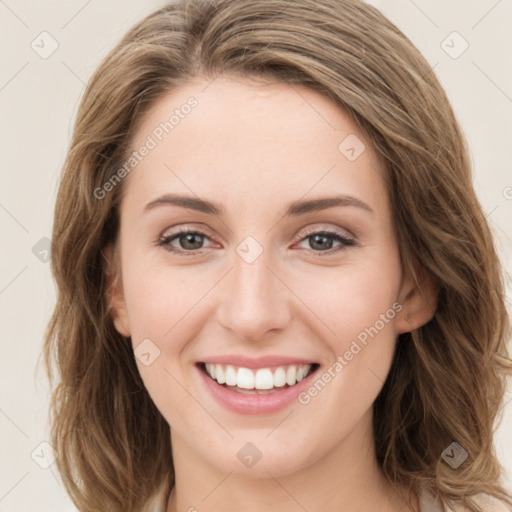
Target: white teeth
x: 261, y: 379
x: 244, y: 378
x: 230, y: 376
x: 220, y: 376
x: 291, y: 375
x: 264, y: 379
x: 279, y: 377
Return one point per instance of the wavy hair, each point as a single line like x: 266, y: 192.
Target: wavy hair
x: 448, y: 377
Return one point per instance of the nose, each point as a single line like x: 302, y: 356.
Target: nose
x: 253, y: 298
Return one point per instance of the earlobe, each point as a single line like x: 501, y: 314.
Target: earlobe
x: 418, y: 297
x: 114, y: 292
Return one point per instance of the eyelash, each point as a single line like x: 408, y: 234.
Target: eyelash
x: 165, y: 241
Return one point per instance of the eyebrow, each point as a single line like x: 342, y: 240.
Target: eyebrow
x: 294, y: 209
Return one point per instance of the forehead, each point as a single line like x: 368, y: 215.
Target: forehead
x: 243, y: 138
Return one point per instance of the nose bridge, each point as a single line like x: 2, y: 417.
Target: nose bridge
x: 254, y: 299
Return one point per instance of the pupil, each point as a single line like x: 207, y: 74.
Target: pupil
x: 321, y: 237
x: 189, y: 238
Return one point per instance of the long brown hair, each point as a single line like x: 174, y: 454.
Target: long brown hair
x: 448, y: 377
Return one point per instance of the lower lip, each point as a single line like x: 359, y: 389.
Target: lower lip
x: 254, y: 404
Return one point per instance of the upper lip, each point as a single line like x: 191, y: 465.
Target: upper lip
x: 255, y: 362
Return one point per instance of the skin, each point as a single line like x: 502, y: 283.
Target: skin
x: 254, y: 148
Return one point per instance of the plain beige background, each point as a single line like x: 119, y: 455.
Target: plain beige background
x: 38, y: 100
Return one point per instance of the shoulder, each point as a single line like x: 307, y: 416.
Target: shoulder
x: 487, y: 504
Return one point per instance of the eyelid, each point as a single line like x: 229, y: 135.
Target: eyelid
x: 178, y: 228
x: 331, y: 229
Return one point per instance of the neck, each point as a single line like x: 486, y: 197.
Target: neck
x: 345, y: 479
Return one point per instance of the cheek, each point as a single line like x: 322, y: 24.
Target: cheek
x: 353, y: 298
x: 159, y: 297
x: 161, y: 308
x: 360, y: 309
x: 358, y: 303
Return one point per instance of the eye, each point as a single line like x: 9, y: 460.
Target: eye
x: 322, y: 241
x: 189, y: 239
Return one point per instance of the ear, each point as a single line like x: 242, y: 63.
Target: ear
x: 418, y: 297
x: 114, y: 292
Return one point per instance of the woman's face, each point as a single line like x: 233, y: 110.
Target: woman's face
x: 270, y: 284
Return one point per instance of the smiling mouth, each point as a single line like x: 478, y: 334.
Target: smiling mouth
x: 261, y: 381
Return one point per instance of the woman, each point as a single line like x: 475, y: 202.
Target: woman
x: 335, y: 336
